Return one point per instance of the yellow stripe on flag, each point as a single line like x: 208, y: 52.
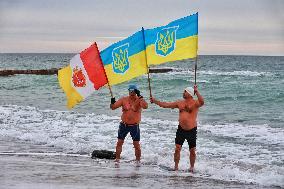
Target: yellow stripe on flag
x: 137, y: 67
x: 185, y: 48
x: 64, y: 78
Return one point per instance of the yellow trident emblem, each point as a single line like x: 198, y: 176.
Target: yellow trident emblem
x: 166, y: 41
x: 120, y: 59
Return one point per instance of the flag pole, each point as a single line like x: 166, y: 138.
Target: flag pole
x: 149, y: 85
x: 195, y: 67
x: 109, y: 89
x: 105, y: 72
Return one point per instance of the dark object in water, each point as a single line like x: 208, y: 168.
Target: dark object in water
x: 103, y: 154
x: 54, y: 71
x: 51, y: 71
x: 160, y: 70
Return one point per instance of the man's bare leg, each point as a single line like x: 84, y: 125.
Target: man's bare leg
x: 137, y: 152
x: 118, y: 149
x: 177, y: 156
x: 192, y: 158
x: 137, y: 148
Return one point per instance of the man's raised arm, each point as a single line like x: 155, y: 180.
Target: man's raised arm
x: 199, y: 97
x: 114, y: 105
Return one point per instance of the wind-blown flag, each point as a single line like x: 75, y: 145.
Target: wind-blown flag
x: 125, y: 59
x: 84, y: 74
x: 176, y: 41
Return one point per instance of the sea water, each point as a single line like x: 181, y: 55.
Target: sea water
x: 240, y: 128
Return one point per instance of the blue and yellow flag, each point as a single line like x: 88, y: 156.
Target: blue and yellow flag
x: 125, y: 59
x: 176, y: 41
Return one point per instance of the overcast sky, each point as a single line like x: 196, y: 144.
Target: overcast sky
x: 246, y: 27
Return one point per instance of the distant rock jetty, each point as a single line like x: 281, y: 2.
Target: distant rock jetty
x: 160, y: 70
x: 54, y: 71
x: 35, y: 72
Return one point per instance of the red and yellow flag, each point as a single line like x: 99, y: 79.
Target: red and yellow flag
x: 84, y: 74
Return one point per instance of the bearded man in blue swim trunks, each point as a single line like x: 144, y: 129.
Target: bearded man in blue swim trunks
x: 132, y: 106
x: 187, y: 128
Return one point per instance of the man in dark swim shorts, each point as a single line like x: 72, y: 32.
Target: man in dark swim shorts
x: 187, y: 129
x: 189, y: 135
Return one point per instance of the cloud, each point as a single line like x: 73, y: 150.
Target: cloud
x: 53, y: 23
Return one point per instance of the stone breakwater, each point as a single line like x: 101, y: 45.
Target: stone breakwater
x: 54, y: 71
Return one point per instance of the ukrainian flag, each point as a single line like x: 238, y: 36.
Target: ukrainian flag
x: 176, y: 41
x: 125, y: 59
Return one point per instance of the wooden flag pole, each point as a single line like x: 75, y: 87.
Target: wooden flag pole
x: 149, y: 85
x: 109, y: 89
x: 105, y: 73
x: 195, y: 68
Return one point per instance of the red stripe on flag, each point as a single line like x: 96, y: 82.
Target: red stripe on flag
x: 94, y: 66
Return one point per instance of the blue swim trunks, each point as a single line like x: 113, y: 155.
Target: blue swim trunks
x: 124, y: 129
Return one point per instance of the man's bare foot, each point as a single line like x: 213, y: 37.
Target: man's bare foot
x: 137, y: 163
x: 116, y: 163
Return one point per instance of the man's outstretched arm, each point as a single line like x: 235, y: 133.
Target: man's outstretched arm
x: 164, y: 104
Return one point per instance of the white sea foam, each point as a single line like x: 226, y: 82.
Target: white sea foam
x: 236, y: 73
x: 218, y: 73
x: 244, y: 153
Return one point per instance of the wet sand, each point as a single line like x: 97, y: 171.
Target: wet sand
x: 35, y: 166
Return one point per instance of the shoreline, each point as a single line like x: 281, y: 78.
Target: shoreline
x: 33, y: 166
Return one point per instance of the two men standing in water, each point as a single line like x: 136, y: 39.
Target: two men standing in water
x: 131, y: 117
